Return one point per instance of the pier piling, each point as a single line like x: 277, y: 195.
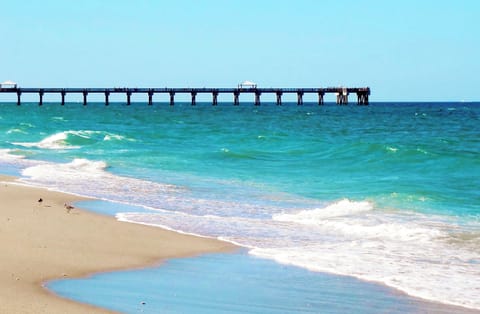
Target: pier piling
x: 150, y: 97
x: 362, y: 98
x: 107, y: 94
x: 85, y: 94
x: 172, y: 98
x: 257, y: 98
x: 63, y: 93
x: 320, y: 98
x: 40, y: 95
x: 19, y: 96
x: 236, y: 100
x: 279, y: 98
x: 342, y: 98
x: 299, y: 98
x: 194, y: 98
x: 129, y: 95
x: 214, y: 98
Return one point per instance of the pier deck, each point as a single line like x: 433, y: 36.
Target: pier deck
x: 341, y: 93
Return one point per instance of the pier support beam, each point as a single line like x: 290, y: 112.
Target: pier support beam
x: 299, y: 98
x: 257, y: 98
x: 40, y: 94
x: 362, y: 98
x: 194, y: 98
x: 172, y: 98
x: 107, y: 94
x: 19, y: 98
x: 129, y: 98
x: 342, y: 98
x: 236, y: 100
x: 63, y: 97
x: 150, y: 97
x: 85, y: 94
x: 215, y: 98
x: 279, y: 98
x: 320, y: 98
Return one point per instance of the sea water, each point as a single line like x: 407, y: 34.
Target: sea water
x: 234, y: 283
x: 386, y: 193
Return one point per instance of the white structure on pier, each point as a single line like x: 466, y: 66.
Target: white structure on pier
x: 247, y: 84
x: 8, y: 84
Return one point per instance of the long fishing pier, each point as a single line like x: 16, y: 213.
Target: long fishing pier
x: 341, y: 93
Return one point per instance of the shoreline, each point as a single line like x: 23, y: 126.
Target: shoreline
x: 23, y: 286
x: 44, y: 241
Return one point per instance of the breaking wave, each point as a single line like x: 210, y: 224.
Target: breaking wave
x: 72, y: 139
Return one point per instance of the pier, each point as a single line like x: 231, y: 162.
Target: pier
x: 341, y: 93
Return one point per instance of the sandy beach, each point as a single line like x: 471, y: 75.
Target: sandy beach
x: 44, y: 240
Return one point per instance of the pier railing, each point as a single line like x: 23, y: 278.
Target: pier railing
x: 341, y: 93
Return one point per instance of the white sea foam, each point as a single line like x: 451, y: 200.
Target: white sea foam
x: 90, y: 178
x: 344, y: 207
x: 408, y: 251
x: 6, y: 155
x: 433, y: 271
x: 78, y: 167
x: 16, y: 159
x: 111, y: 137
x: 16, y: 130
x: 405, y: 250
x: 55, y: 141
x: 63, y: 140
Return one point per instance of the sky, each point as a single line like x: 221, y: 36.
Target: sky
x: 409, y: 50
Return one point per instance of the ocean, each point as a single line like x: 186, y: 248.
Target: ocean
x: 384, y: 195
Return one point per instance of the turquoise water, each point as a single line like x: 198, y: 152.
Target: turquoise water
x: 386, y: 193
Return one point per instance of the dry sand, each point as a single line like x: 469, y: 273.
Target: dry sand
x: 41, y: 241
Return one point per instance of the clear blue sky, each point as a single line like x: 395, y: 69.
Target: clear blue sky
x: 404, y: 50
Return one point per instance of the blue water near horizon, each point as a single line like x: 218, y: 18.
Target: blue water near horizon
x: 384, y: 193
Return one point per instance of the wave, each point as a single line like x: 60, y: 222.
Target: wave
x: 421, y: 255
x: 55, y: 141
x: 113, y: 137
x: 17, y: 157
x: 83, y: 167
x: 14, y: 160
x: 344, y: 207
x: 72, y: 139
x: 432, y: 270
x: 16, y: 130
x: 356, y: 223
x: 8, y: 155
x: 90, y: 178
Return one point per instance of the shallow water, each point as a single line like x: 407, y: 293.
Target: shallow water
x: 236, y: 283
